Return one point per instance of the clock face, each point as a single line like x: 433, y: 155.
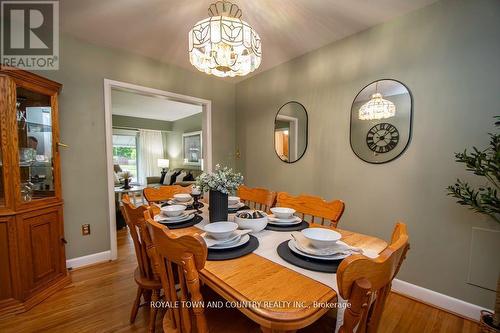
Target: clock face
x: 382, y: 138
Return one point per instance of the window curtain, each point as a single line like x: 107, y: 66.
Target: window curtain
x: 150, y: 150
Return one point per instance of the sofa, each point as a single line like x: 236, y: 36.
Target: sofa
x: 155, y: 180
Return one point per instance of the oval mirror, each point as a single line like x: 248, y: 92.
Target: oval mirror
x: 290, y: 132
x: 381, y: 117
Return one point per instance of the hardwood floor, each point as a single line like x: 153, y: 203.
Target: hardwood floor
x: 100, y: 299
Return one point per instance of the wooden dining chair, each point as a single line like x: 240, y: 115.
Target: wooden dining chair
x: 185, y: 256
x: 365, y: 284
x: 313, y: 209
x: 257, y: 198
x: 164, y: 193
x: 148, y: 284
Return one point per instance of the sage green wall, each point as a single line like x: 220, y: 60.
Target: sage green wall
x: 82, y: 71
x: 174, y: 139
x: 141, y: 123
x: 448, y: 54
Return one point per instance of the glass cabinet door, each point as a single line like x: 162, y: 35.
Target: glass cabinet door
x: 34, y: 128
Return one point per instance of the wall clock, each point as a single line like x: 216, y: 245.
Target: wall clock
x: 381, y: 121
x: 382, y: 138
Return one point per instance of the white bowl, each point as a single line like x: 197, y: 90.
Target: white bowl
x: 321, y: 237
x: 255, y: 225
x: 220, y: 230
x: 182, y: 197
x: 173, y: 210
x: 233, y: 200
x: 282, y: 212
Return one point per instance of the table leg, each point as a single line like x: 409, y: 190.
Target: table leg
x: 273, y: 330
x: 133, y: 198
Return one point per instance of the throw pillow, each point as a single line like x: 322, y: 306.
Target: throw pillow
x: 189, y: 177
x: 174, y: 177
x: 180, y: 177
x: 168, y: 177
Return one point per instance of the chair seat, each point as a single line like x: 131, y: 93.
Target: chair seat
x: 144, y: 282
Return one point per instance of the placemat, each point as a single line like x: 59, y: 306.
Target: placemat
x: 316, y: 265
x: 195, y: 220
x: 236, y: 252
x: 297, y: 227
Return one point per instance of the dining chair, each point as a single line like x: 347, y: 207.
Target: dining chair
x: 163, y: 193
x: 365, y: 284
x: 257, y: 198
x: 148, y: 285
x: 186, y: 256
x: 314, y: 207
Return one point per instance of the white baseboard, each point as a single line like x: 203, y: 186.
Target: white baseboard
x: 442, y: 301
x: 89, y: 259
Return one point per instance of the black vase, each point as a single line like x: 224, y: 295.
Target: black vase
x: 218, y: 206
x: 126, y: 184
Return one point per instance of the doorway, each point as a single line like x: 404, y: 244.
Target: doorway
x: 123, y: 142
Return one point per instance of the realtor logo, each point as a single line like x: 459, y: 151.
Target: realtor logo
x: 30, y: 34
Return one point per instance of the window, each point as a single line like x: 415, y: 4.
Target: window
x: 125, y: 153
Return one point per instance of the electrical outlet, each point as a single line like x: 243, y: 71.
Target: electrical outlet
x: 85, y: 229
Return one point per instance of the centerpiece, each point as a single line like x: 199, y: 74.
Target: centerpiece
x: 219, y: 184
x: 126, y: 176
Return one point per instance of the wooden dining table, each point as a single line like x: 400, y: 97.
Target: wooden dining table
x: 286, y: 299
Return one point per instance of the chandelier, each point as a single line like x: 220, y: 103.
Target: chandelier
x: 223, y: 44
x: 377, y: 107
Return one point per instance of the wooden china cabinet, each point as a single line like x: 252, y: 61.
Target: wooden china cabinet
x: 32, y: 258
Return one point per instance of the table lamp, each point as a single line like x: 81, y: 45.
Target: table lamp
x: 163, y: 164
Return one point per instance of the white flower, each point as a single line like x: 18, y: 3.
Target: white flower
x: 222, y: 179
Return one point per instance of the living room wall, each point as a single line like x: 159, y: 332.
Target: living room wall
x: 83, y: 68
x: 448, y: 54
x: 174, y: 139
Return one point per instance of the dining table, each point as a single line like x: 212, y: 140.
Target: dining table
x: 278, y: 296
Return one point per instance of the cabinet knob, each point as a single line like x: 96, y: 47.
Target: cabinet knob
x: 64, y: 240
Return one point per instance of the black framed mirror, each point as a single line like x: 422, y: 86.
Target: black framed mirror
x: 381, y: 121
x: 291, y: 132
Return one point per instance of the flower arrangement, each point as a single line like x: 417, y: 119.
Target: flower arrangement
x: 223, y: 179
x: 125, y: 174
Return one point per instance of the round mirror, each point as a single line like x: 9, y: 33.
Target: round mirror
x: 381, y: 116
x: 290, y: 132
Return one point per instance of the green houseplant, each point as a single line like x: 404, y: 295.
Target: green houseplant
x: 484, y: 199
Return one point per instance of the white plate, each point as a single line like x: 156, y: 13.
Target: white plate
x: 238, y: 205
x: 243, y: 240
x: 175, y: 202
x: 273, y: 218
x: 177, y: 219
x: 274, y: 221
x: 291, y: 245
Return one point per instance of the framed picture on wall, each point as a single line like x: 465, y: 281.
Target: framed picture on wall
x: 192, y: 148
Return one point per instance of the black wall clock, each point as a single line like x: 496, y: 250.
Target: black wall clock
x: 382, y: 138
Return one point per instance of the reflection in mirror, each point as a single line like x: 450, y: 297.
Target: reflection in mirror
x: 290, y: 132
x: 381, y: 121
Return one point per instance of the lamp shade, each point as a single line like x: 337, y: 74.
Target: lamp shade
x: 163, y: 163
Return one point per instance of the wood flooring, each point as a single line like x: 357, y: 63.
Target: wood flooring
x: 100, y: 299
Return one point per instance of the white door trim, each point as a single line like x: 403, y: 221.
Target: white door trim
x: 207, y: 139
x: 294, y: 133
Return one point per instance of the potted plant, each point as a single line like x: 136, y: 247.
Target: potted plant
x: 126, y: 176
x: 484, y: 199
x: 219, y: 184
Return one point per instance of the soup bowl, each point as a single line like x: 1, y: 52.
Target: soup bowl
x: 321, y: 237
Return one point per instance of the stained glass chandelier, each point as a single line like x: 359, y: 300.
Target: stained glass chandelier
x: 377, y: 107
x: 223, y: 44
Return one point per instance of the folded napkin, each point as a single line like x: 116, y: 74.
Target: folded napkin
x: 339, y: 247
x: 210, y: 241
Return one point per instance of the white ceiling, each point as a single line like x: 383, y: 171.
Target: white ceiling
x: 288, y: 28
x: 125, y: 103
